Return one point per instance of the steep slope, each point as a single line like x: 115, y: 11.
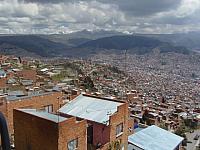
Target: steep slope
x: 8, y: 49
x: 32, y: 44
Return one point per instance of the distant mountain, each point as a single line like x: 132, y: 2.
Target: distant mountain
x: 30, y: 44
x: 136, y: 44
x: 190, y: 40
x: 65, y: 39
x: 80, y: 37
x: 65, y: 45
x: 93, y: 34
x: 8, y: 49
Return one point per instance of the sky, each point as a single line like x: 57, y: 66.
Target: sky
x: 129, y: 16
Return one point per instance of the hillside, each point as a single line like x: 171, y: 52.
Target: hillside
x: 93, y: 34
x: 61, y: 45
x: 137, y: 44
x: 8, y: 49
x: 189, y: 40
x: 31, y: 44
x: 80, y: 37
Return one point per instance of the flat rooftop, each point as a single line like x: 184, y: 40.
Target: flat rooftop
x: 154, y: 138
x: 19, y: 95
x: 44, y: 115
x: 91, y: 108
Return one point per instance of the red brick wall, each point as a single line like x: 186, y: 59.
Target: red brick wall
x: 42, y: 134
x: 120, y: 117
x: 101, y: 134
x: 28, y: 74
x: 70, y: 130
x: 3, y: 82
x: 130, y: 126
x: 34, y: 133
x: 36, y: 102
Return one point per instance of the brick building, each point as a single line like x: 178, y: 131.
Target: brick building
x: 3, y: 84
x: 105, y: 123
x: 37, y: 130
x: 107, y: 120
x: 48, y: 101
x: 28, y: 74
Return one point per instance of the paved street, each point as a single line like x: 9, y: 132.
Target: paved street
x: 190, y: 137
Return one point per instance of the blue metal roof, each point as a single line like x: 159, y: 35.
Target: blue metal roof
x: 2, y: 73
x: 11, y: 81
x: 44, y: 115
x: 155, y: 138
x: 91, y: 108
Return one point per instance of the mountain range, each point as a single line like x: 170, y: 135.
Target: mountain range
x: 84, y: 43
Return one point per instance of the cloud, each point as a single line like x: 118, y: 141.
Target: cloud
x: 55, y: 16
x: 134, y: 7
x: 16, y: 9
x: 145, y: 7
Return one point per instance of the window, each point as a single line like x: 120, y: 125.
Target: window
x: 48, y: 108
x: 73, y: 144
x: 119, y: 129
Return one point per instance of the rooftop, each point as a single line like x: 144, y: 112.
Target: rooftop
x: 44, y: 115
x: 19, y: 95
x: 2, y: 73
x: 91, y: 108
x: 154, y: 138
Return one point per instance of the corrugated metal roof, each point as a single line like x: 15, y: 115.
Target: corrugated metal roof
x: 11, y: 81
x: 45, y: 115
x: 91, y: 108
x: 155, y: 138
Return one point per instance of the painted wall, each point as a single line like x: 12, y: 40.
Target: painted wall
x: 101, y: 134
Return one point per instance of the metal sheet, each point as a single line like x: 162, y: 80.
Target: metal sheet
x: 91, y: 108
x: 155, y: 138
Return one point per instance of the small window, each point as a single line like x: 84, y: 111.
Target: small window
x: 73, y: 144
x: 48, y: 108
x: 119, y: 129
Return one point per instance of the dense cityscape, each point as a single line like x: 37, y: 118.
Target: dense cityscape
x: 99, y: 74
x: 161, y: 95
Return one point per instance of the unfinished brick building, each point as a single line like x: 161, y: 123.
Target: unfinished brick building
x: 107, y: 120
x: 49, y: 102
x: 106, y: 123
x: 38, y: 130
x: 28, y: 74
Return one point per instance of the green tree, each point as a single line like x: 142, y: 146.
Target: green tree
x: 88, y: 83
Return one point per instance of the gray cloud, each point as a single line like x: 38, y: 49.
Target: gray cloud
x: 55, y: 16
x: 146, y: 7
x: 134, y: 7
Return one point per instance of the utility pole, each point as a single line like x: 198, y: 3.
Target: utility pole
x: 125, y: 71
